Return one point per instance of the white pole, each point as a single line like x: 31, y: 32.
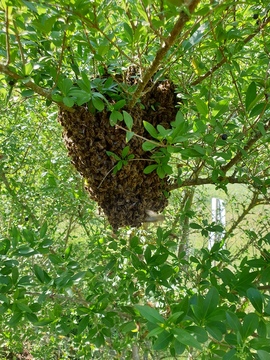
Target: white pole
x: 219, y: 218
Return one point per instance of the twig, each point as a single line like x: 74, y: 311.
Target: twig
x: 207, y: 181
x: 63, y: 47
x: 19, y: 42
x: 150, y: 22
x: 113, y: 43
x: 102, y: 181
x: 254, y: 202
x: 31, y: 85
x: 247, y: 147
x: 141, y: 137
x: 168, y: 43
x: 7, y: 37
x: 224, y: 59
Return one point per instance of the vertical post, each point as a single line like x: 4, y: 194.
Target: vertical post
x: 219, y: 218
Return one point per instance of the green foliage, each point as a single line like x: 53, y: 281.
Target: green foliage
x: 121, y: 161
x: 69, y: 286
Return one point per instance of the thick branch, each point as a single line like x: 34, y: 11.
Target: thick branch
x: 31, y: 85
x: 207, y: 181
x: 168, y: 43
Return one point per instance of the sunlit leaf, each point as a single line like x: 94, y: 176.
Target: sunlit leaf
x: 250, y: 95
x: 150, y: 314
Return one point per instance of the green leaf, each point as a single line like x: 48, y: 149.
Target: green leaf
x: 163, y: 341
x: 31, y: 317
x: 150, y: 129
x: 163, y: 132
x: 201, y: 107
x: 187, y: 153
x: 43, y: 229
x: 15, y: 275
x: 25, y: 250
x: 166, y: 271
x: 179, y: 119
x: 121, y: 103
x: 39, y: 273
x: 175, y: 317
x: 263, y: 355
x: 65, y: 85
x: 211, y: 301
x: 69, y: 102
x: 178, y: 347
x: 185, y: 338
x: 199, y: 149
x: 86, y: 82
x: 250, y: 324
x: 81, y: 96
x: 256, y: 299
x: 116, y: 157
x: 198, y: 35
x: 128, y: 327
x: 261, y: 128
x: 250, y: 95
x: 150, y: 168
x: 43, y: 322
x: 214, y: 330
x: 115, y: 116
x: 199, y: 333
x: 195, y: 226
x: 161, y: 173
x: 68, y: 251
x: 129, y: 135
x: 35, y: 307
x: 15, y: 319
x: 83, y: 324
x: 257, y: 110
x: 28, y: 68
x: 23, y: 307
x: 30, y: 5
x: 156, y: 331
x: 150, y: 314
x: 125, y: 152
x: 230, y: 355
x: 98, y: 103
x: 128, y: 120
x: 128, y: 32
x: 27, y: 93
x: 148, y: 146
x: 233, y: 322
x: 54, y: 259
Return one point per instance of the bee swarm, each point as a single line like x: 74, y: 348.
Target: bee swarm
x: 125, y: 196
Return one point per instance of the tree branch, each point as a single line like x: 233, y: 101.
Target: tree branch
x: 7, y: 36
x: 168, y: 43
x: 247, y: 147
x: 31, y: 85
x: 224, y: 59
x: 254, y: 202
x: 207, y: 181
x: 19, y: 42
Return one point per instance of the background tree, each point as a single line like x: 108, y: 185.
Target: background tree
x: 71, y: 284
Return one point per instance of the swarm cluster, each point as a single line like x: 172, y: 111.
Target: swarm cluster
x: 125, y: 196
